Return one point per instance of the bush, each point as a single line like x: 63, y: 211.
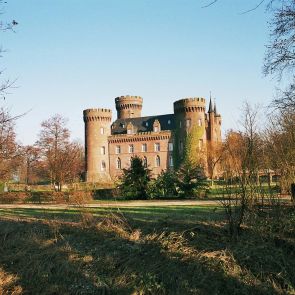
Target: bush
x: 107, y: 193
x: 164, y: 186
x: 13, y: 197
x: 191, y: 181
x: 75, y: 197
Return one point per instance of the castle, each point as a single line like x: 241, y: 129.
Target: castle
x: 159, y: 140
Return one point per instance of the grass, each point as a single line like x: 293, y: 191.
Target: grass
x: 139, y: 250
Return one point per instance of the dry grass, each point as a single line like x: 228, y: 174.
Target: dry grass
x: 116, y: 253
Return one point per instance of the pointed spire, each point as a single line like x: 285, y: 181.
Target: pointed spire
x: 215, y: 109
x: 210, y: 105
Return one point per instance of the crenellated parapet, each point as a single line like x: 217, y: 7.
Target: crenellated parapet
x: 92, y: 115
x: 128, y: 106
x: 188, y: 105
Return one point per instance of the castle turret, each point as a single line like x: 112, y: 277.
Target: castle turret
x: 217, y: 124
x: 190, y: 125
x: 214, y: 123
x: 211, y: 123
x: 128, y: 106
x: 97, y: 129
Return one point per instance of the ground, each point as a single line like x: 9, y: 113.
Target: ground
x: 148, y: 248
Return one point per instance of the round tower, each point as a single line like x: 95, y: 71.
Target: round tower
x: 128, y: 106
x: 190, y: 120
x: 97, y: 129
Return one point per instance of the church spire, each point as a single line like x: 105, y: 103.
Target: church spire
x: 210, y: 105
x: 215, y: 109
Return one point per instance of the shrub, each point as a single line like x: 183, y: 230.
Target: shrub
x: 13, y: 197
x: 191, y: 181
x: 164, y: 186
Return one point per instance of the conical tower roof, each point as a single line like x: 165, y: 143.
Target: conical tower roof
x: 210, y: 105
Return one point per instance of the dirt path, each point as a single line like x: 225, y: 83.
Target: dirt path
x: 106, y: 204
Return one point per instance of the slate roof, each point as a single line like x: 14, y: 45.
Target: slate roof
x: 143, y: 124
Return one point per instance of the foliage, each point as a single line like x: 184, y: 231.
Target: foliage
x: 135, y: 179
x: 165, y: 186
x: 193, y: 153
x: 191, y: 181
x: 176, y: 149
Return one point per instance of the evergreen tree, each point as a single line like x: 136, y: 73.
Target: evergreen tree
x: 191, y: 180
x: 135, y: 180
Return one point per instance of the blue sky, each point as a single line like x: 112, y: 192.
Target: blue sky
x: 69, y: 55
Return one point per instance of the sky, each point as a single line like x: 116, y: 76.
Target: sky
x: 69, y: 55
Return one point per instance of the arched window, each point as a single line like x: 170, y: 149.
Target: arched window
x: 118, y: 163
x: 144, y: 162
x: 103, y: 166
x: 158, y: 161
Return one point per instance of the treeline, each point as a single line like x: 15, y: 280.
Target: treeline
x: 54, y: 158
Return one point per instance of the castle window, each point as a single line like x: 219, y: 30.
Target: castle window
x: 169, y: 122
x: 101, y: 130
x: 103, y: 166
x: 129, y: 128
x: 157, y: 147
x: 181, y: 147
x: 170, y: 161
x: 170, y: 146
x: 180, y: 124
x: 144, y: 162
x: 147, y: 124
x: 158, y: 161
x: 118, y: 149
x: 200, y: 122
x: 131, y: 148
x: 118, y: 163
x: 144, y: 147
x: 188, y: 123
x: 123, y: 125
x: 200, y: 143
x: 103, y: 150
x: 156, y: 129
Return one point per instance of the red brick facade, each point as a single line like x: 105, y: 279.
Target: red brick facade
x: 110, y: 146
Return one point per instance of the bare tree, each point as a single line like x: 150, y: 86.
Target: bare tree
x: 9, y: 150
x: 62, y: 158
x: 280, y: 147
x: 241, y: 166
x: 280, y: 55
x: 214, y: 155
x: 4, y: 26
x: 31, y: 157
